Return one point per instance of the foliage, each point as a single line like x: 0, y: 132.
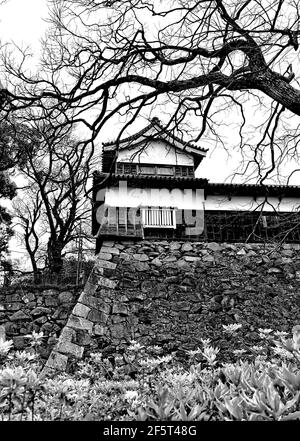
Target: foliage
x: 143, y: 384
x: 13, y: 139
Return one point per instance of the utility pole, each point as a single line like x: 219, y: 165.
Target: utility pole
x: 79, y: 255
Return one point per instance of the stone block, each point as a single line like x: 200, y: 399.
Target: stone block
x: 214, y: 246
x: 117, y: 331
x: 47, y: 327
x: 67, y: 334
x: 91, y: 301
x: 15, y: 306
x: 141, y: 257
x: 99, y: 271
x: 147, y: 286
x: 81, y: 310
x: 108, y: 243
x: 170, y: 259
x: 126, y: 257
x: 97, y: 316
x: 100, y: 330
x: 109, y: 250
x: 28, y: 297
x: 13, y: 298
x: 37, y: 312
x: 19, y: 315
x: 141, y: 266
x: 156, y: 262
x: 106, y: 264
x: 90, y: 287
x: 175, y: 246
x: 51, y: 301
x: 41, y: 320
x: 104, y: 256
x: 107, y: 283
x: 80, y: 323
x: 186, y: 247
x: 208, y: 258
x: 65, y: 297
x: 83, y: 339
x: 57, y: 361
x: 10, y: 328
x: 68, y: 348
x: 274, y: 270
x: 192, y: 258
x: 120, y: 309
x: 19, y: 342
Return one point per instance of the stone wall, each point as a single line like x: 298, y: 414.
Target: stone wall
x: 173, y: 294
x: 24, y: 309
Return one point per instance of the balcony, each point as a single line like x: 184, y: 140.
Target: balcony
x: 158, y: 217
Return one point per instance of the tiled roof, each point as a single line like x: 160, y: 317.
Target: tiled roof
x: 150, y: 178
x: 253, y: 189
x: 155, y: 122
x: 210, y: 188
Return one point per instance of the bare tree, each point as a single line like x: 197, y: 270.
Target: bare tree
x: 56, y: 171
x: 28, y: 213
x: 8, y: 151
x: 203, y: 60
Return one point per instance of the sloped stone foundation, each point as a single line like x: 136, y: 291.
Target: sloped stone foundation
x: 172, y: 294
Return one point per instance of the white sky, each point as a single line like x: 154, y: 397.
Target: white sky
x: 22, y: 21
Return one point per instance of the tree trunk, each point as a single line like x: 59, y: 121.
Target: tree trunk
x: 36, y: 273
x: 54, y: 253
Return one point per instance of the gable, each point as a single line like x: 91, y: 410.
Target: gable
x: 155, y: 151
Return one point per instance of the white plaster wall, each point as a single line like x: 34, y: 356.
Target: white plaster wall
x: 124, y: 196
x: 247, y: 203
x: 156, y: 152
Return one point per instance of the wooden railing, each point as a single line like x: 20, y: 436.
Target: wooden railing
x: 158, y: 217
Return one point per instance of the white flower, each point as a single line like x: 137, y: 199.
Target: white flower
x: 281, y: 334
x: 232, y: 328
x: 135, y: 346
x: 239, y: 351
x: 36, y: 338
x: 154, y: 362
x: 257, y: 348
x: 194, y: 352
x: 157, y: 349
x: 282, y: 352
x: 266, y: 331
x: 5, y: 346
x: 96, y: 357
x: 210, y: 353
x: 131, y: 395
x: 205, y: 341
x: 22, y: 356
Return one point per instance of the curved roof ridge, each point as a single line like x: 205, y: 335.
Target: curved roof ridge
x: 156, y: 122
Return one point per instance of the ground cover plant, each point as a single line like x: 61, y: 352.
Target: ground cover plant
x: 261, y: 382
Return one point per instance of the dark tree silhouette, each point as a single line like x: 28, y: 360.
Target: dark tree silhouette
x: 56, y: 172
x: 202, y: 60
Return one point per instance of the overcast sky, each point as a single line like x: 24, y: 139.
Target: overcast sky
x: 22, y: 21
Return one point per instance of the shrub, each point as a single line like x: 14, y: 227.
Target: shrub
x: 144, y: 384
